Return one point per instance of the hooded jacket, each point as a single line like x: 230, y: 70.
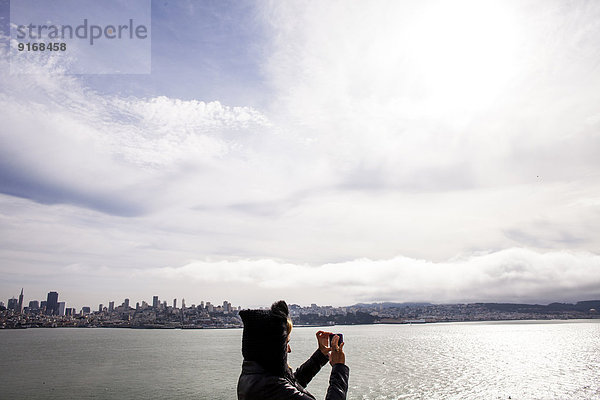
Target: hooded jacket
x: 265, y: 372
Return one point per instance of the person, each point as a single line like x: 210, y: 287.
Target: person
x: 266, y: 374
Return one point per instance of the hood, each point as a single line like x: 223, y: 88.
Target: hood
x: 265, y: 337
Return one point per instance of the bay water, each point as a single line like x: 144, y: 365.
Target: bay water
x: 486, y: 360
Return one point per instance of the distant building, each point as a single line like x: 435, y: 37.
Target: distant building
x: 52, y: 303
x: 183, y: 303
x: 12, y: 304
x: 126, y: 304
x: 85, y: 310
x: 155, y: 302
x: 61, y: 308
x: 43, y: 305
x: 34, y: 305
x: 174, y: 303
x: 69, y: 311
x: 111, y: 306
x: 20, y: 305
x: 100, y: 306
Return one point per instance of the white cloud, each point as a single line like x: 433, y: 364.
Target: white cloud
x: 493, y: 92
x: 74, y: 144
x: 507, y: 275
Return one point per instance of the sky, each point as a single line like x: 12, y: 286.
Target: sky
x: 319, y: 152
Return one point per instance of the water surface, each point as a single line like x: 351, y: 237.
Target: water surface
x: 525, y: 360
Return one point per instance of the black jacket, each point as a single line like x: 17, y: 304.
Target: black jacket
x: 257, y: 384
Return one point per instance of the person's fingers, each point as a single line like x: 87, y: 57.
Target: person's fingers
x: 342, y: 346
x: 334, y: 342
x: 322, y: 336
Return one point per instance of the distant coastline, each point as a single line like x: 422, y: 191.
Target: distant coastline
x: 313, y: 316
x: 516, y: 321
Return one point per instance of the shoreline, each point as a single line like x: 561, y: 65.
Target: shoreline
x: 408, y: 323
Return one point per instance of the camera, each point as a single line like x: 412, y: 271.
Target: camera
x: 336, y: 334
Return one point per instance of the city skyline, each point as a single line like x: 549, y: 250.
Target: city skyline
x: 52, y: 302
x: 159, y: 315
x: 156, y: 302
x: 329, y: 152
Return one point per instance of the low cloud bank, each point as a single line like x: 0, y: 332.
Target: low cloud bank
x: 511, y: 275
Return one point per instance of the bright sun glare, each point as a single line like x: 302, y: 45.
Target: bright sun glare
x: 464, y: 52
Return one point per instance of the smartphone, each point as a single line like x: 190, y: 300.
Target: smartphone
x: 336, y: 334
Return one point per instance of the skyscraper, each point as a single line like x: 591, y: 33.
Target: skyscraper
x: 126, y: 304
x: 111, y: 306
x: 20, y: 306
x: 61, y: 308
x: 52, y: 303
x: 174, y: 303
x: 12, y: 304
x: 155, y: 302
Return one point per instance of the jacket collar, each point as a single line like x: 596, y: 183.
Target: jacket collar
x: 252, y: 367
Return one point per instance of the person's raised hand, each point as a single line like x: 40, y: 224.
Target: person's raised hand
x: 337, y: 355
x: 323, y: 340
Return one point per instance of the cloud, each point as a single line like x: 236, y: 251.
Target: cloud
x: 439, y: 96
x: 510, y: 275
x: 64, y: 143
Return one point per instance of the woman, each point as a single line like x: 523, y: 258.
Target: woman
x: 265, y: 371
